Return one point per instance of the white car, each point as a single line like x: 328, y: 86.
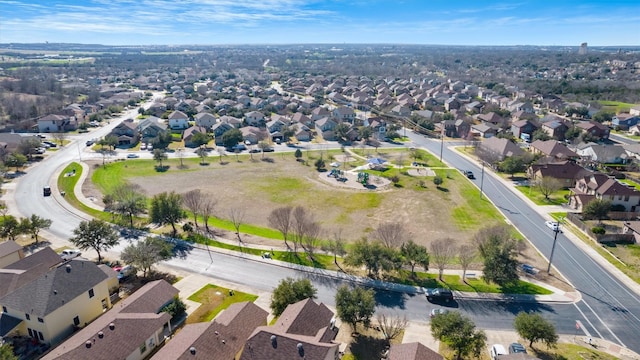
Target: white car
x: 553, y: 225
x: 496, y: 350
x: 437, y: 311
x: 69, y: 254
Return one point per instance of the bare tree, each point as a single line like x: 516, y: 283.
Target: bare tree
x: 312, y: 235
x: 335, y: 246
x: 237, y: 218
x: 280, y: 219
x: 206, y: 209
x: 391, y: 234
x: 202, y: 154
x: 547, y: 185
x: 192, y: 200
x: 391, y: 326
x: 442, y: 252
x: 180, y: 155
x: 298, y: 226
x: 466, y: 255
x: 59, y: 137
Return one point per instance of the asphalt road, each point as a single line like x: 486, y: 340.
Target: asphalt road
x: 609, y: 309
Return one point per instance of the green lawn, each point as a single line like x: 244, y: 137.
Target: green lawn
x: 616, y: 106
x: 630, y: 183
x: 557, y: 198
x: 454, y: 282
x: 68, y: 184
x: 215, y: 299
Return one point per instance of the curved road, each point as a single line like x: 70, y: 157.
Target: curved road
x: 608, y: 308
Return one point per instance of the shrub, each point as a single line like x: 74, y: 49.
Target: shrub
x: 598, y: 230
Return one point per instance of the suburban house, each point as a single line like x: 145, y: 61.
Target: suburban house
x: 412, y: 351
x: 319, y: 113
x: 132, y: 330
x: 252, y: 134
x: 230, y: 120
x: 205, y: 120
x: 484, y: 130
x: 624, y: 121
x: 305, y: 330
x: 187, y: 135
x: 302, y: 133
x: 57, y: 123
x: 522, y: 127
x: 325, y: 124
x: 343, y: 114
x: 126, y: 132
x: 632, y: 227
x: 218, y: 130
x: 178, y: 120
x: 497, y: 149
x: 567, y: 172
x: 50, y: 305
x: 552, y: 149
x: 601, y: 186
x: 10, y: 252
x: 220, y: 339
x: 594, y: 129
x: 555, y: 128
x: 254, y: 118
x: 602, y: 154
x: 150, y: 128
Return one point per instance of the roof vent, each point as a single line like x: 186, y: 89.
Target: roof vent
x: 55, y: 292
x: 192, y: 350
x: 100, y: 334
x: 88, y: 344
x: 68, y: 267
x: 274, y: 341
x: 216, y: 332
x: 112, y: 326
x: 224, y: 341
x: 300, y: 349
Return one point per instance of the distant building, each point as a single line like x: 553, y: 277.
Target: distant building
x: 583, y: 49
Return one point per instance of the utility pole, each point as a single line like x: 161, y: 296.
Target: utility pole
x: 481, y: 180
x: 553, y: 247
x: 441, y: 141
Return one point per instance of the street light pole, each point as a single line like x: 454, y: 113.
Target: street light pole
x: 441, y: 142
x: 553, y: 247
x: 481, y: 180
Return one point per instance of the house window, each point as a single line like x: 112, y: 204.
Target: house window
x: 30, y: 332
x: 104, y: 304
x: 143, y: 348
x: 626, y: 198
x: 40, y: 320
x: 40, y: 336
x: 27, y: 316
x: 4, y: 309
x: 76, y: 321
x: 91, y: 293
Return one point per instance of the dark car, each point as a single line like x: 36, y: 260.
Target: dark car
x: 516, y: 348
x: 439, y: 294
x: 469, y: 174
x: 268, y: 149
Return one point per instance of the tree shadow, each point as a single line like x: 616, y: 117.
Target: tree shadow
x: 367, y: 347
x: 163, y: 168
x: 204, y: 164
x: 445, y: 190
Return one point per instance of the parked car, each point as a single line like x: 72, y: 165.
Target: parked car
x: 149, y: 147
x: 439, y: 294
x: 143, y: 146
x: 253, y: 151
x: 69, y: 254
x: 90, y: 142
x: 268, y: 149
x: 516, y: 348
x: 437, y: 311
x: 132, y: 156
x: 125, y: 272
x: 51, y: 144
x: 496, y: 350
x: 553, y: 225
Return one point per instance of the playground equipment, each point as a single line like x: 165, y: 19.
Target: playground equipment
x: 363, y: 178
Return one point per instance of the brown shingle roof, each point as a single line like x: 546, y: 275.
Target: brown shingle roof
x: 304, y: 318
x: 130, y: 329
x: 9, y: 247
x: 220, y: 339
x: 412, y: 351
x: 267, y: 343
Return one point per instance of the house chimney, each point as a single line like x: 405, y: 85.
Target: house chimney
x: 300, y: 350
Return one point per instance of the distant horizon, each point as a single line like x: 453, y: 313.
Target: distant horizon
x: 590, y: 46
x: 599, y: 23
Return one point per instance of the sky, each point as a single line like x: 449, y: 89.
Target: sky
x: 213, y: 22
